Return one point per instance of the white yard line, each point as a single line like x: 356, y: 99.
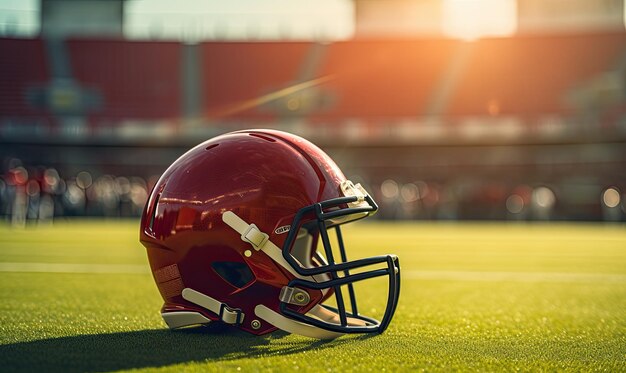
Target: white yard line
x: 513, y: 276
x: 73, y: 268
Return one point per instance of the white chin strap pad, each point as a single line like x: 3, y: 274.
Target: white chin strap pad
x: 181, y: 319
x: 293, y: 326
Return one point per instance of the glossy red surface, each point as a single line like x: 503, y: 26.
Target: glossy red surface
x: 264, y: 177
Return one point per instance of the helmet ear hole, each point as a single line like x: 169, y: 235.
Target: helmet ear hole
x: 235, y: 273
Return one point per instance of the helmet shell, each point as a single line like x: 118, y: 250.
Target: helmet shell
x: 263, y: 176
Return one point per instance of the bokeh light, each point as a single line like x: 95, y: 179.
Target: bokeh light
x: 611, y: 197
x: 74, y: 195
x: 51, y: 177
x: 20, y: 175
x: 544, y: 197
x: 409, y: 192
x: 32, y: 188
x: 390, y: 189
x: 515, y: 204
x: 83, y: 179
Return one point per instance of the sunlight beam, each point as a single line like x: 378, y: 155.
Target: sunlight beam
x: 473, y: 19
x: 272, y: 96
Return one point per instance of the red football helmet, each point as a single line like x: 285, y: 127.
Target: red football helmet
x: 231, y: 230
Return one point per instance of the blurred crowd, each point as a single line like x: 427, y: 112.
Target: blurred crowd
x: 39, y: 194
x: 490, y: 200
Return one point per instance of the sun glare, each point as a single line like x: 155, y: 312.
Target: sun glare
x: 473, y: 19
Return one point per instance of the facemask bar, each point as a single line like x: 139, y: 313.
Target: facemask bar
x: 392, y: 269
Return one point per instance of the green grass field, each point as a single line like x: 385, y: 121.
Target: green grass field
x: 78, y: 297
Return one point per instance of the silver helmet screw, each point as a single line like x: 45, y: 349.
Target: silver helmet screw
x: 300, y: 298
x: 255, y: 324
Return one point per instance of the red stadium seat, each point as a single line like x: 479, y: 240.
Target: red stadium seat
x: 23, y: 68
x: 236, y: 75
x: 373, y: 80
x: 531, y: 75
x: 383, y: 78
x: 136, y: 79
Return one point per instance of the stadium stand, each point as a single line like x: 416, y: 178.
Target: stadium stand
x: 136, y: 79
x: 22, y: 69
x: 383, y: 79
x: 531, y: 75
x: 233, y: 73
x: 376, y: 97
x: 523, y: 76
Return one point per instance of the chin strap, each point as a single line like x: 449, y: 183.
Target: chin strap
x: 235, y: 317
x: 232, y: 316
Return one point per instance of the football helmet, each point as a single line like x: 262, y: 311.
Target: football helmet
x: 232, y: 229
